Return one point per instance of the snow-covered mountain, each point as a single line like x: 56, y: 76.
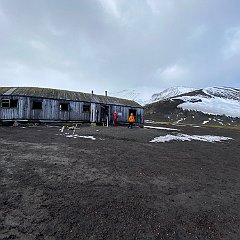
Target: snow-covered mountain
x: 223, y: 92
x: 141, y: 95
x: 170, y: 93
x: 148, y: 95
x: 213, y: 100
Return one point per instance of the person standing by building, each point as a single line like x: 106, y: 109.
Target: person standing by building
x: 115, y: 118
x: 131, y: 120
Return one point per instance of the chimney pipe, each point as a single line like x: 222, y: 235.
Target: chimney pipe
x: 92, y: 92
x: 106, y: 93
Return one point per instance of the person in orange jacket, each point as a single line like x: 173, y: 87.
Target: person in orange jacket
x: 131, y: 120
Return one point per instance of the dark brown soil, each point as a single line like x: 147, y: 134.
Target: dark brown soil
x: 119, y: 186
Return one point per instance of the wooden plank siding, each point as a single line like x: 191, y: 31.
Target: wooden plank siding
x: 93, y: 108
x: 50, y: 110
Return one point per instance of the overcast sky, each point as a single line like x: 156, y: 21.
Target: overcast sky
x: 112, y: 45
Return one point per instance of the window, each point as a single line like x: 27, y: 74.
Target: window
x: 64, y: 106
x: 5, y: 103
x: 36, y: 105
x: 86, y: 108
x: 9, y: 103
x: 13, y: 103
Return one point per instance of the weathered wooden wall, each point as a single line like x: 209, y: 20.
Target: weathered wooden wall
x: 51, y: 111
x: 123, y: 113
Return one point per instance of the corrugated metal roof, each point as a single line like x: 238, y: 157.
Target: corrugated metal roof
x: 64, y: 94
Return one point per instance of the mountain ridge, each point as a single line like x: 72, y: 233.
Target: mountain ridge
x: 216, y: 104
x: 217, y: 100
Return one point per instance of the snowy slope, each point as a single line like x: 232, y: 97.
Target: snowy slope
x: 148, y: 95
x: 223, y: 92
x: 141, y: 95
x: 211, y: 100
x: 215, y: 105
x: 216, y: 101
x: 170, y: 93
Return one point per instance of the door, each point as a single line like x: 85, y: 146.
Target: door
x: 104, y: 114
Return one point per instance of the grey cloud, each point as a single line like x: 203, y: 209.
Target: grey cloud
x: 112, y: 44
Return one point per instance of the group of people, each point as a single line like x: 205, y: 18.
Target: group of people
x: 131, y: 120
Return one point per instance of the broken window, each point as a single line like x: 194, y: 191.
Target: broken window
x: 13, y: 103
x: 9, y: 103
x: 86, y: 108
x: 37, y: 105
x: 5, y: 103
x: 64, y: 106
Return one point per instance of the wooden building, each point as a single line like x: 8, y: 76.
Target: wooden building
x: 53, y: 105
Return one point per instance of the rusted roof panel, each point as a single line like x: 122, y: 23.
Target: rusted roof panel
x: 64, y: 94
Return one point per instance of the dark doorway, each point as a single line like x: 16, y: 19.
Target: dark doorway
x: 133, y: 111
x: 104, y: 115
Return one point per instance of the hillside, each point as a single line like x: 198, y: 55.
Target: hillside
x: 218, y: 105
x: 170, y: 93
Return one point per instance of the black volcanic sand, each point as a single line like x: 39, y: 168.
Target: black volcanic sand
x: 119, y: 186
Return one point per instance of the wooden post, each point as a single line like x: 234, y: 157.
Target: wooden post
x: 93, y: 113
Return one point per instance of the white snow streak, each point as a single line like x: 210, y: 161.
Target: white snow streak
x: 162, y: 128
x: 78, y: 136
x: 185, y: 137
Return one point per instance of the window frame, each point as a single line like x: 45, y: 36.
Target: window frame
x: 86, y: 106
x: 9, y: 103
x: 35, y: 103
x: 13, y: 103
x: 4, y: 101
x: 63, y: 109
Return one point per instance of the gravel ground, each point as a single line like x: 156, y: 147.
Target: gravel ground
x: 119, y: 186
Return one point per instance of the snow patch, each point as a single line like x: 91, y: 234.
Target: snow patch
x: 180, y: 120
x: 162, y: 128
x: 79, y: 136
x: 76, y: 136
x: 148, y: 121
x: 185, y: 137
